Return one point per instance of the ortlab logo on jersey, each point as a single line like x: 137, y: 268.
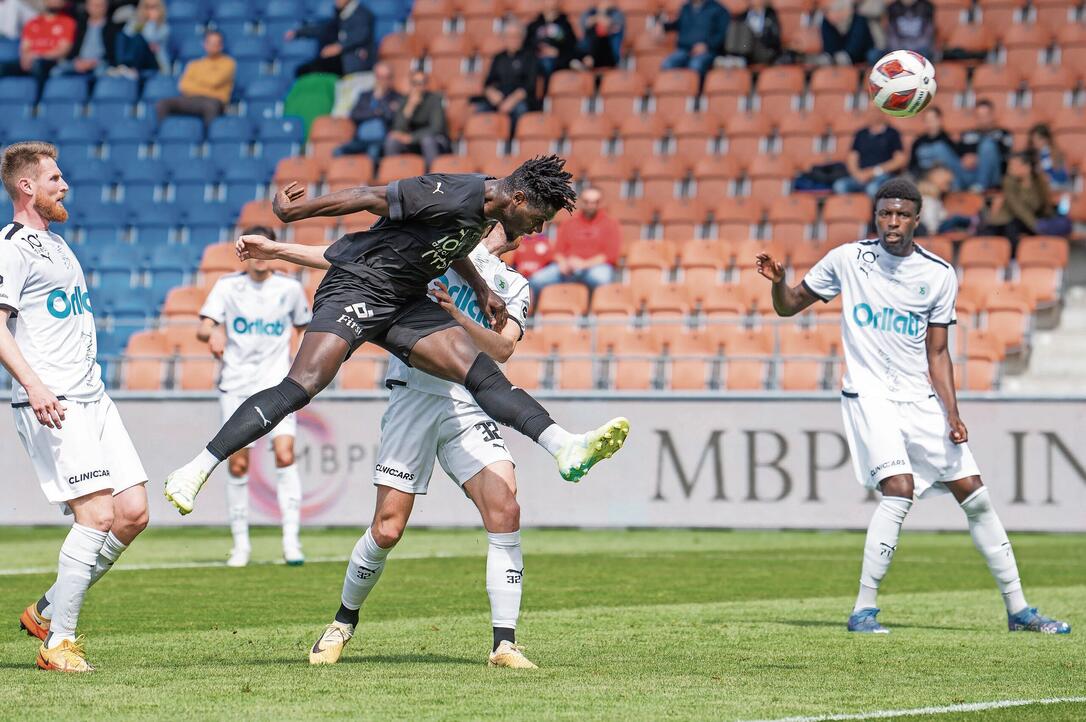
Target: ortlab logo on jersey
x: 257, y: 326
x: 887, y: 320
x: 464, y: 299
x: 62, y: 305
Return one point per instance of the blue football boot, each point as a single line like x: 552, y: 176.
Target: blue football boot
x: 1028, y: 620
x: 863, y: 620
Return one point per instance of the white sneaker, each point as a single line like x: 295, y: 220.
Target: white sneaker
x: 509, y: 655
x: 292, y: 553
x: 586, y: 450
x: 239, y: 557
x: 329, y: 646
x: 183, y: 485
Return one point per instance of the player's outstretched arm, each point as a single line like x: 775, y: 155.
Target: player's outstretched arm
x: 290, y: 203
x: 47, y: 407
x: 941, y: 371
x: 497, y: 345
x: 262, y: 248
x: 786, y: 301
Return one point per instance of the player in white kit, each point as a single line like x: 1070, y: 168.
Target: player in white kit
x: 427, y: 419
x: 81, y: 453
x: 899, y: 404
x: 247, y: 320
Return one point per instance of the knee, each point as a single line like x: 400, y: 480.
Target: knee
x: 284, y: 457
x: 386, y: 531
x: 504, y: 516
x: 312, y: 381
x: 900, y: 486
x: 130, y: 522
x: 99, y: 517
x: 238, y: 465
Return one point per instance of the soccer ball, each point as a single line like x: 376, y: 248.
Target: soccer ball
x: 902, y: 83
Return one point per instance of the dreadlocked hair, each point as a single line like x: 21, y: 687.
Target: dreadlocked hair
x: 544, y: 182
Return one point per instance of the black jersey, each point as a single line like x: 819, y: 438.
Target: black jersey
x: 432, y: 221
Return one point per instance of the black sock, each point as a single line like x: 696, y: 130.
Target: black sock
x: 503, y: 403
x: 256, y: 416
x: 42, y: 604
x: 504, y: 633
x: 347, y: 616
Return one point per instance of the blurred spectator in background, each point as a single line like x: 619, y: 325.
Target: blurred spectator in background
x: 419, y: 124
x: 755, y: 34
x: 346, y: 40
x: 846, y: 35
x: 588, y: 247
x: 934, y: 148
x: 142, y: 44
x: 1048, y: 155
x: 876, y: 156
x: 702, y: 26
x: 910, y: 25
x: 95, y: 48
x: 550, y: 39
x: 1027, y: 207
x: 510, y: 82
x: 47, y: 39
x: 535, y: 252
x: 372, y: 115
x: 205, y: 85
x: 603, y: 26
x: 14, y: 14
x: 934, y: 186
x: 984, y: 150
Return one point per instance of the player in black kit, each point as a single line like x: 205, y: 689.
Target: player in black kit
x: 375, y: 291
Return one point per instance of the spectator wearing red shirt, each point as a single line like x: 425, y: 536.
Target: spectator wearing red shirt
x: 535, y: 252
x: 47, y: 39
x: 587, y: 250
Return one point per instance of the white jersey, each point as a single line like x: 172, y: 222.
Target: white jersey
x: 506, y: 282
x: 888, y: 304
x: 42, y: 283
x: 258, y: 318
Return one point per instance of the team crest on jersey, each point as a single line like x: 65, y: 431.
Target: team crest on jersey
x: 500, y: 282
x: 923, y: 289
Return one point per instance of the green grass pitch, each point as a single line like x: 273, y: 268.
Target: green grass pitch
x: 625, y: 625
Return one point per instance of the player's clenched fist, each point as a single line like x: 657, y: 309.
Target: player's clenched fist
x: 771, y: 269
x: 47, y: 407
x: 255, y: 247
x: 285, y: 198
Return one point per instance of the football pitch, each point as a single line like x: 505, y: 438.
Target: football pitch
x: 628, y: 625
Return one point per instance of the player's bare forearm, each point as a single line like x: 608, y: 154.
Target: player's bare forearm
x: 497, y: 346
x: 941, y: 369
x: 340, y: 203
x: 13, y: 358
x: 470, y: 274
x: 302, y: 255
x: 790, y: 301
x: 203, y: 333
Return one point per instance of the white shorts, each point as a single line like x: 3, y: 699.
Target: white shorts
x: 90, y: 452
x: 229, y: 403
x: 887, y: 438
x: 418, y: 426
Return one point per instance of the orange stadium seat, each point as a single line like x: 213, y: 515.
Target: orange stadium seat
x: 792, y: 215
x: 487, y: 126
x: 695, y: 135
x: 988, y: 252
x: 641, y: 134
x: 258, y: 213
x: 454, y: 164
x: 620, y: 88
x: 1041, y: 260
x: 1007, y: 316
x: 351, y: 170
x: 720, y: 302
x: 974, y: 38
x: 563, y: 301
x: 940, y: 246
x: 568, y: 93
x: 680, y: 221
x: 298, y: 169
x: 1024, y: 44
x: 398, y: 46
x: 536, y: 125
x: 701, y: 262
x: 981, y: 344
x: 326, y: 134
x: 613, y: 300
x: 737, y: 217
x: 716, y: 177
x: 197, y: 374
x: 668, y: 301
x: 746, y: 353
x: 834, y: 78
x: 647, y: 262
x: 660, y: 177
x: 770, y: 176
x: 634, y: 367
x: 732, y: 82
x: 183, y: 304
x: 690, y: 360
x: 144, y: 366
x: 854, y: 207
x: 674, y: 92
x: 1050, y: 86
x: 976, y: 375
x: 399, y: 166
x: 220, y: 257
x: 801, y: 374
x: 996, y: 79
x: 525, y: 370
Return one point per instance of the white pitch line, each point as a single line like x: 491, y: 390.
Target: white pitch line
x: 931, y: 711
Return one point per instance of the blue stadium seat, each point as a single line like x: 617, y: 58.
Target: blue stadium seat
x: 111, y: 343
x: 281, y: 10
x: 213, y: 213
x: 238, y: 193
x: 17, y: 92
x: 124, y: 153
x: 202, y: 170
x: 137, y: 193
x: 9, y: 50
x: 86, y: 193
x: 181, y: 128
x: 119, y: 257
x: 159, y: 214
x: 102, y: 225
x: 152, y: 234
x: 159, y: 87
x: 175, y: 256
x: 176, y: 153
x: 281, y: 133
x: 77, y: 150
x: 246, y: 72
x: 163, y: 280
x: 384, y: 27
x: 21, y: 128
x: 231, y: 10
x: 78, y: 170
x: 130, y: 130
x: 230, y: 127
x: 241, y: 170
x: 299, y: 48
x: 72, y: 88
x: 86, y: 132
x: 149, y: 171
x: 107, y: 112
x: 323, y: 9
x: 275, y: 29
x: 95, y: 237
x: 248, y: 47
x: 187, y: 11
x: 116, y: 89
x: 385, y: 9
x: 60, y: 112
x: 189, y: 194
x: 202, y: 234
x: 190, y: 48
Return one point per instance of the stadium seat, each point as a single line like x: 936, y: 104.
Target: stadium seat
x: 183, y: 304
x: 747, y: 352
x: 690, y: 355
x: 562, y: 301
x: 399, y: 166
x: 1041, y: 260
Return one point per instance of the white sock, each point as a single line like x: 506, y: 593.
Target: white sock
x: 553, y: 438
x: 990, y: 539
x: 78, y: 556
x: 504, y: 571
x: 110, y: 552
x: 363, y: 571
x: 237, y: 505
x: 205, y: 461
x: 289, y: 490
x: 882, y: 536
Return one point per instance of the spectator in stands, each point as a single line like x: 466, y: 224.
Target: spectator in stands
x: 934, y: 148
x: 510, y: 83
x: 419, y: 124
x: 1027, y: 205
x: 14, y: 14
x: 876, y: 156
x: 934, y: 186
x: 95, y: 48
x: 535, y: 253
x: 603, y: 26
x: 755, y: 34
x: 1048, y: 155
x: 846, y: 35
x: 588, y: 247
x: 984, y: 150
x: 346, y: 40
x: 910, y: 25
x: 372, y: 114
x: 702, y: 26
x: 551, y: 39
x: 47, y: 39
x: 142, y: 44
x: 205, y: 85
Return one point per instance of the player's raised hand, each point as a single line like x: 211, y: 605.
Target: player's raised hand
x: 47, y: 407
x: 285, y: 198
x: 768, y: 267
x: 440, y: 292
x: 258, y: 248
x: 496, y: 312
x: 958, y: 433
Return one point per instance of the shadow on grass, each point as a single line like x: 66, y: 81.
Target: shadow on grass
x: 840, y: 624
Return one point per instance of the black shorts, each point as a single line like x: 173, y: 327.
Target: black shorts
x: 359, y: 312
